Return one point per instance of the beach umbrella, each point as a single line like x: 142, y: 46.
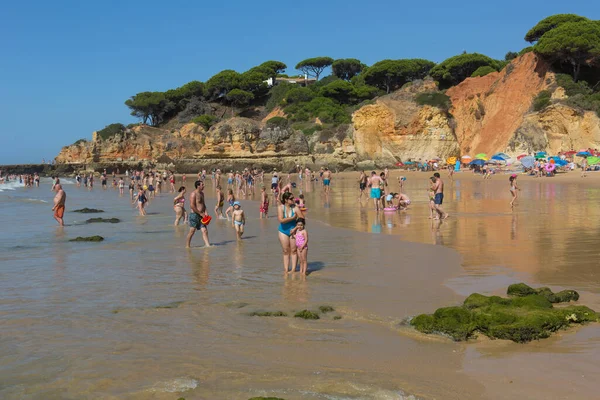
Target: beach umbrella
x: 521, y: 156
x: 478, y: 161
x: 541, y: 154
x: 466, y: 157
x: 493, y: 161
x: 584, y: 154
x: 593, y: 160
x: 399, y: 164
x: 499, y: 158
x: 481, y: 156
x: 451, y: 160
x: 570, y: 153
x: 528, y: 161
x: 504, y: 156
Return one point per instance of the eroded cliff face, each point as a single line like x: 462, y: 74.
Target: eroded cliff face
x: 489, y: 114
x: 489, y: 109
x: 396, y: 128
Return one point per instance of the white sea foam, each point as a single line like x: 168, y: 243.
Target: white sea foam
x: 12, y: 185
x: 175, y: 385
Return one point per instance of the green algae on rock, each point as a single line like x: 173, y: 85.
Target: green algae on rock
x: 528, y: 315
x: 94, y: 238
x: 107, y: 220
x: 521, y: 289
x: 86, y: 210
x: 326, y: 309
x: 268, y: 314
x: 306, y: 314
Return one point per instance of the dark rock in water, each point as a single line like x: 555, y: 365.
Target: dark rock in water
x: 564, y: 296
x: 519, y: 289
x: 326, y: 309
x: 337, y: 317
x: 522, y: 318
x: 95, y: 238
x: 88, y: 211
x: 174, y: 304
x: 268, y: 314
x: 107, y: 220
x: 306, y: 314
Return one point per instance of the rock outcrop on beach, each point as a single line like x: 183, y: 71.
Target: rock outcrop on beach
x: 488, y: 114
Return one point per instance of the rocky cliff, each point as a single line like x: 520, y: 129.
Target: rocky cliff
x: 488, y: 114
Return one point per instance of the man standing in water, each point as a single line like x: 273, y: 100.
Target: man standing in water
x: 362, y: 184
x: 438, y: 189
x: 326, y: 180
x: 375, y: 182
x: 59, y: 204
x: 198, y: 213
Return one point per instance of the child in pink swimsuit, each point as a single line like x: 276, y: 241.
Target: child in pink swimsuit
x: 300, y: 235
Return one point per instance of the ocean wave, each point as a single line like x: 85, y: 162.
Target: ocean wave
x: 12, y: 185
x: 175, y: 385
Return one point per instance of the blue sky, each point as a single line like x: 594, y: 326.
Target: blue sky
x: 66, y: 67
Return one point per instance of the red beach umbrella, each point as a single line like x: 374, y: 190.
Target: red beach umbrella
x: 570, y: 153
x: 521, y: 156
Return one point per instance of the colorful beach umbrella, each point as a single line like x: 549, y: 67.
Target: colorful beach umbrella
x: 499, y: 158
x: 451, y: 160
x: 481, y: 156
x: 504, y: 156
x: 541, y: 154
x: 528, y: 161
x: 478, y: 161
x: 593, y: 160
x: 570, y: 153
x: 584, y: 154
x: 521, y: 156
x: 466, y: 158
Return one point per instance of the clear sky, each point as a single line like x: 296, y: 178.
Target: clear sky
x: 66, y: 67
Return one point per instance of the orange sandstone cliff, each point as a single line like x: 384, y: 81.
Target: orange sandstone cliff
x: 489, y: 114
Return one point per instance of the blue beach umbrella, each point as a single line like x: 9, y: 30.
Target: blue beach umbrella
x: 541, y: 154
x: 584, y: 154
x: 499, y: 156
x: 528, y: 161
x: 479, y: 162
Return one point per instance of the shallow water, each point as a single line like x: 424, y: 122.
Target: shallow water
x: 138, y: 316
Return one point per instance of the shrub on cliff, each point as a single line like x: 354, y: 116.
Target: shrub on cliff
x: 205, y: 121
x: 277, y: 122
x: 390, y: 75
x: 549, y: 23
x: 483, y: 71
x: 542, y: 100
x: 194, y: 108
x: 277, y: 94
x: 327, y: 110
x: 527, y: 49
x: 454, y: 70
x: 347, y: 68
x: 572, y: 44
x: 434, y: 99
x: 341, y: 91
x: 110, y: 131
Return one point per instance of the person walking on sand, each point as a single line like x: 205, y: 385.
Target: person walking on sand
x: 513, y: 189
x: 438, y: 188
x: 431, y: 197
x: 287, y: 221
x: 197, y: 215
x: 179, y: 206
x: 300, y: 236
x: 59, y: 204
x: 230, y: 201
x: 584, y: 164
x: 238, y: 219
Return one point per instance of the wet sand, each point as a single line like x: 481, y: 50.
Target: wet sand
x: 140, y: 317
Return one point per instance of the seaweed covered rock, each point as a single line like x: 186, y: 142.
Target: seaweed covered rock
x: 326, y: 309
x: 306, y: 314
x: 268, y: 314
x: 521, y: 318
x: 94, y: 238
x: 521, y: 289
x: 104, y: 220
x: 86, y: 210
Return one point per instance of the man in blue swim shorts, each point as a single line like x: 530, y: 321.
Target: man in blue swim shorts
x: 198, y: 212
x: 375, y: 183
x: 326, y: 179
x: 438, y: 199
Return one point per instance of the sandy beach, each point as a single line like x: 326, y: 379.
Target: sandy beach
x: 139, y: 316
